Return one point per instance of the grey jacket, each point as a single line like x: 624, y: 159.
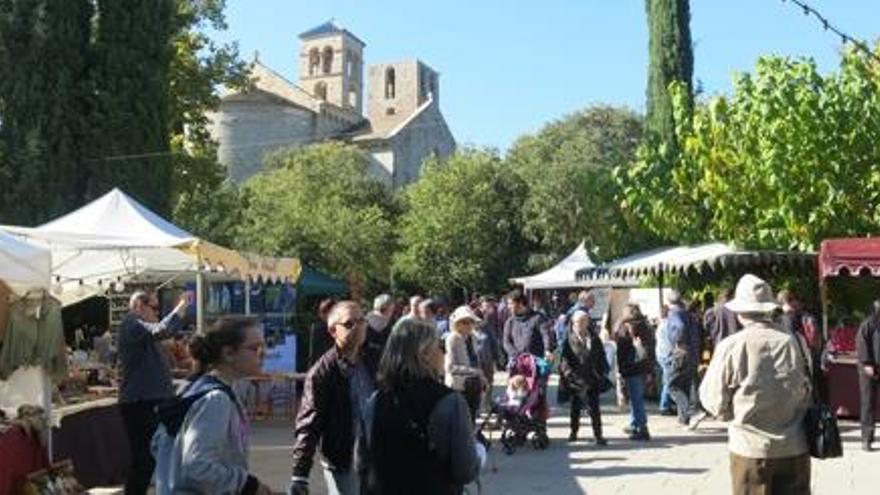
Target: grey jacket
x: 210, y: 453
x: 526, y: 334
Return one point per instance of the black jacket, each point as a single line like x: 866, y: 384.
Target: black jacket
x: 420, y: 441
x: 325, y: 416
x: 527, y: 334
x: 581, y: 369
x: 868, y: 342
x: 626, y: 351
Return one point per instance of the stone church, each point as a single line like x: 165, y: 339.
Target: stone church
x: 402, y: 125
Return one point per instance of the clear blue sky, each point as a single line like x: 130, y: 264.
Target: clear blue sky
x: 508, y: 69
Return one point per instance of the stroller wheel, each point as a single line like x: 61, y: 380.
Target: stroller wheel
x: 541, y: 440
x: 508, y: 441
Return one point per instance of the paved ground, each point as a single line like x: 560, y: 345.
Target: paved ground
x: 675, y: 462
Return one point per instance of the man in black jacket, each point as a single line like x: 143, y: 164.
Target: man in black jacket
x: 336, y: 391
x: 868, y: 354
x: 525, y: 331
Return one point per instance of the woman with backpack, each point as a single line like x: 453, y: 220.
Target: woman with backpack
x: 417, y: 435
x: 201, y: 446
x: 584, y: 370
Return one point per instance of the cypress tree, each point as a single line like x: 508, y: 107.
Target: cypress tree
x: 671, y: 59
x: 131, y: 131
x: 44, y: 48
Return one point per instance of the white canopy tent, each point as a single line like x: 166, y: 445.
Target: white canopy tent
x: 24, y: 266
x: 116, y: 239
x: 561, y: 275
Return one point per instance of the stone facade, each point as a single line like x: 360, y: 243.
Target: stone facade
x: 403, y: 125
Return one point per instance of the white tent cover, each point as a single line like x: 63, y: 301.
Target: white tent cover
x: 112, y: 238
x: 561, y: 275
x: 24, y: 266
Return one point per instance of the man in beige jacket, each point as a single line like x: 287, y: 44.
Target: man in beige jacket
x: 757, y: 379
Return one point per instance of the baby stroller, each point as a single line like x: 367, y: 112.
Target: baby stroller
x: 526, y: 419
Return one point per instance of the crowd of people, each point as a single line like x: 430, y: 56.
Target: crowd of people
x: 394, y: 398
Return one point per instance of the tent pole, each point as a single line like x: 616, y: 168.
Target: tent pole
x: 660, y: 285
x: 823, y: 294
x: 247, y: 295
x: 200, y: 301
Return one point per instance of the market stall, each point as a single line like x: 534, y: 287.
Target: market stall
x: 24, y: 399
x: 109, y: 248
x: 702, y: 260
x: 849, y: 279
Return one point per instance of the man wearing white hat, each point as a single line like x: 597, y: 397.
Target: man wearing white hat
x: 757, y: 379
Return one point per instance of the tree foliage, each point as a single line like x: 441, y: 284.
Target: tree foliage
x: 199, y: 66
x: 131, y: 142
x: 44, y: 89
x: 461, y: 228
x: 321, y: 204
x: 789, y: 159
x: 572, y: 195
x: 670, y: 59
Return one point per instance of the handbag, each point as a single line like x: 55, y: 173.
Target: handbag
x: 820, y: 422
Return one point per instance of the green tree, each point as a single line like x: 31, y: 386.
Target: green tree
x: 789, y: 159
x: 671, y: 59
x: 321, y: 204
x: 461, y: 228
x: 131, y: 142
x: 572, y: 195
x: 203, y: 201
x: 44, y: 90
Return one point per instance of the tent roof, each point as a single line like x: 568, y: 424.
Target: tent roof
x: 117, y: 237
x: 695, y: 259
x: 24, y: 266
x: 852, y: 256
x: 112, y: 221
x: 562, y: 274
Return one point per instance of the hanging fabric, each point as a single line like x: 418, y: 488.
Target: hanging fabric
x: 34, y: 336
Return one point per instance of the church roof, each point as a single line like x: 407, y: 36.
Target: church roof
x: 327, y: 29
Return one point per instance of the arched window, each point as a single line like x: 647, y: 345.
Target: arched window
x: 390, y: 86
x: 352, y: 96
x: 328, y: 59
x: 314, y: 61
x: 321, y: 90
x: 349, y: 64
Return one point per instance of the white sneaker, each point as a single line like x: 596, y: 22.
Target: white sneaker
x: 696, y: 420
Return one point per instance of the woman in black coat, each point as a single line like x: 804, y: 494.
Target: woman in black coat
x: 584, y: 372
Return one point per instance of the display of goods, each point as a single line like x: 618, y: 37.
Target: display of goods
x: 843, y: 340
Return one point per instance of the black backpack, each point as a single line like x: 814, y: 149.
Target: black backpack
x: 172, y: 412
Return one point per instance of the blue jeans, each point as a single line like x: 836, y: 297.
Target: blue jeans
x: 635, y: 385
x: 665, y: 399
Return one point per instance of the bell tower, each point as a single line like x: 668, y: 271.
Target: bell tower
x: 331, y: 65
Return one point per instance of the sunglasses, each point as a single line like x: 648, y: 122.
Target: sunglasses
x: 350, y: 324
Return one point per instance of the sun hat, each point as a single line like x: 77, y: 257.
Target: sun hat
x: 463, y: 313
x: 753, y: 295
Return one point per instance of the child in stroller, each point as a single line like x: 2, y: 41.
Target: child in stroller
x: 522, y: 413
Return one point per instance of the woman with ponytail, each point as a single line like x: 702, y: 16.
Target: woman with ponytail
x: 201, y: 446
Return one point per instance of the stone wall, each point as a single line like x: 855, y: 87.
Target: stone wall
x: 414, y: 83
x: 247, y: 127
x: 424, y: 136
